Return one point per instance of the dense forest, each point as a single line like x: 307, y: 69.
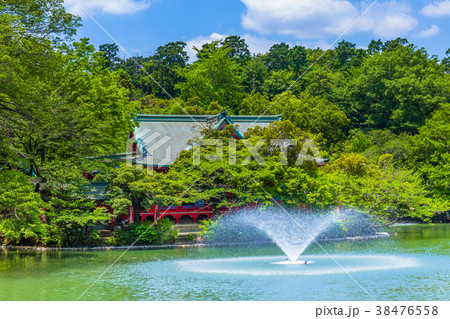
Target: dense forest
x: 381, y: 116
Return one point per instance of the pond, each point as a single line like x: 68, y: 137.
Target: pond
x: 414, y: 265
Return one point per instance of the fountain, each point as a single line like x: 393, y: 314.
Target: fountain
x: 292, y: 232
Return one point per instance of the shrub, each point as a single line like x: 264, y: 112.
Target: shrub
x: 166, y: 231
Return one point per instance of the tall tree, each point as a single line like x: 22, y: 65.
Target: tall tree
x: 239, y: 49
x: 42, y: 18
x: 110, y: 53
x: 160, y: 74
x: 213, y: 78
x: 446, y: 61
x: 278, y: 57
x: 298, y: 60
x: 397, y: 89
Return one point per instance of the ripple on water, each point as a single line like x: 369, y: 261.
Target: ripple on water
x: 276, y: 266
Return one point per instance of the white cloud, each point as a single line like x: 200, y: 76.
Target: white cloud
x: 321, y: 44
x: 258, y: 45
x: 388, y: 20
x: 199, y: 41
x: 437, y: 9
x: 433, y: 30
x: 312, y: 19
x: 106, y: 6
x: 255, y: 44
x: 306, y: 19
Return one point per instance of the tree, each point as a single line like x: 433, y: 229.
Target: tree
x: 382, y: 189
x: 229, y: 180
x: 239, y: 49
x: 254, y: 74
x: 278, y: 57
x: 279, y: 82
x: 298, y: 60
x: 347, y: 55
x: 110, y: 53
x: 375, y: 46
x: 42, y: 18
x: 431, y: 148
x: 20, y: 209
x: 397, y: 89
x: 446, y: 61
x: 160, y: 75
x: 213, y: 78
x: 255, y: 104
x: 58, y: 105
x: 311, y: 114
x: 392, y: 45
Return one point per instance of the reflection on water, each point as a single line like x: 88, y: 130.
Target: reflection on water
x: 410, y: 266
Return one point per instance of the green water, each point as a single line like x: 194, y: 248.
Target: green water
x: 414, y: 265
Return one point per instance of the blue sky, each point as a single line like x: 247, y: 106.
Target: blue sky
x: 140, y: 26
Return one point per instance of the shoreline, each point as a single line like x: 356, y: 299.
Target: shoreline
x: 379, y: 235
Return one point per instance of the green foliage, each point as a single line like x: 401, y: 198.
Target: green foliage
x: 43, y: 18
x: 61, y: 103
x: 160, y: 75
x: 397, y: 89
x: 112, y: 241
x: 20, y: 209
x: 310, y: 113
x: 95, y: 238
x: 166, y: 231
x: 213, y: 78
x: 431, y: 148
x: 382, y: 189
x: 138, y: 187
x: 58, y: 105
x: 146, y: 233
x: 208, y: 228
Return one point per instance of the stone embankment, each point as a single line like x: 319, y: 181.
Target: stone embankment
x: 380, y: 235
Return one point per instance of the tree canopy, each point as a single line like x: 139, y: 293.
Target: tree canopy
x: 379, y: 115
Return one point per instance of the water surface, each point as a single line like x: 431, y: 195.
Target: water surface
x: 414, y: 265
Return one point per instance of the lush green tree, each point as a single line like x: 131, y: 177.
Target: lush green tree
x: 254, y: 74
x: 160, y: 75
x: 310, y: 113
x: 391, y: 45
x: 298, y: 60
x: 347, y: 55
x: 20, y: 209
x: 213, y: 78
x: 278, y: 82
x: 110, y: 53
x: 239, y: 49
x: 375, y: 46
x: 278, y: 57
x: 58, y: 105
x: 446, y: 61
x: 255, y: 104
x: 65, y: 107
x: 42, y: 18
x: 137, y: 186
x: 133, y: 66
x: 238, y: 177
x: 397, y: 89
x: 431, y: 148
x: 382, y: 189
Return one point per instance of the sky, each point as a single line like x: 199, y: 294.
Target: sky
x: 140, y: 26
